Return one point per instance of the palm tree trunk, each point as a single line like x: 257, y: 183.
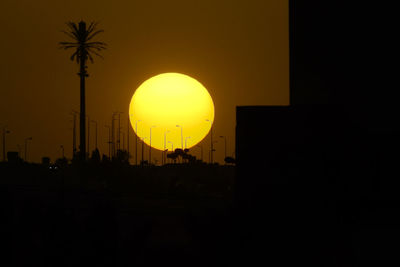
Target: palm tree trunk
x: 82, y: 121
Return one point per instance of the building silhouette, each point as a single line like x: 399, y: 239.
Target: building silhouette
x: 314, y: 178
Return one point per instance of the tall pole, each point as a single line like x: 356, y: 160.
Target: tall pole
x: 83, y: 75
x: 88, y: 135
x: 150, y: 144
x: 211, y: 142
x: 186, y: 138
x: 143, y: 149
x: 137, y: 136
x: 62, y: 149
x: 109, y: 140
x: 165, y: 144
x: 181, y: 135
x: 127, y: 138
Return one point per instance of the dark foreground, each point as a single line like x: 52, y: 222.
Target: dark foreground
x: 117, y: 215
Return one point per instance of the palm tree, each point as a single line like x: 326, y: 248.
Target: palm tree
x: 84, y: 49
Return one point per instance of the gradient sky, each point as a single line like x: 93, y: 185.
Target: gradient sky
x: 239, y: 50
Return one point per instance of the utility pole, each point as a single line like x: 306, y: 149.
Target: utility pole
x: 88, y: 136
x: 109, y: 141
x: 150, y: 144
x: 127, y: 138
x: 136, y: 146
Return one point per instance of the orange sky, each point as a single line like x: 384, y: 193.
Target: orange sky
x: 237, y: 49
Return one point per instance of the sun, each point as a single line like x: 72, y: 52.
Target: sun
x: 171, y: 110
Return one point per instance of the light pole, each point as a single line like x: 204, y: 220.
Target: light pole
x: 143, y: 149
x: 181, y: 135
x: 165, y: 144
x: 186, y: 138
x: 62, y: 149
x: 172, y: 146
x: 137, y: 135
x: 150, y: 143
x: 211, y: 142
x: 5, y: 131
x: 109, y: 140
x: 95, y: 122
x: 127, y: 138
x: 224, y: 137
x: 88, y: 137
x: 26, y: 147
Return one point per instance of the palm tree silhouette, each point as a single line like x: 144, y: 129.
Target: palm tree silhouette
x: 84, y: 48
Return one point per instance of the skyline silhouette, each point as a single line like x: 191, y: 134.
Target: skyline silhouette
x: 312, y: 182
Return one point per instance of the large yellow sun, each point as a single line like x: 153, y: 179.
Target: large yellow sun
x: 171, y: 110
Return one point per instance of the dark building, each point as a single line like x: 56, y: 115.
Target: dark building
x: 316, y: 180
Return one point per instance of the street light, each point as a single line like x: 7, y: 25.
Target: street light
x: 172, y: 146
x: 109, y: 140
x: 143, y: 138
x: 136, y: 132
x: 181, y: 135
x: 150, y: 143
x: 165, y: 145
x: 211, y: 141
x: 26, y: 147
x: 186, y: 138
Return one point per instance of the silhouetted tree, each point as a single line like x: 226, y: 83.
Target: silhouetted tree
x: 84, y: 48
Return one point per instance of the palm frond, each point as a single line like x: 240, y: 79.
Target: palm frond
x: 91, y: 27
x: 94, y: 52
x: 84, y: 48
x: 69, y: 34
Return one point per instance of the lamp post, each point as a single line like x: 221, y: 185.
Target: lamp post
x: 165, y: 145
x: 150, y: 143
x: 62, y: 149
x: 172, y: 146
x: 136, y: 141
x: 143, y: 149
x: 109, y: 140
x: 211, y: 142
x: 88, y: 136
x: 127, y: 138
x: 5, y: 131
x: 186, y: 138
x: 224, y: 137
x: 181, y: 135
x: 26, y: 147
